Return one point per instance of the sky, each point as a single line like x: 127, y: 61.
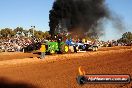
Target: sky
x: 27, y: 13
x: 123, y: 9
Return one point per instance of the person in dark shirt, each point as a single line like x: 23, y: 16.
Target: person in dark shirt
x: 75, y: 50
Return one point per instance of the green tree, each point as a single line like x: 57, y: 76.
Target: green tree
x: 7, y: 32
x: 126, y: 38
x: 46, y: 34
x: 18, y: 30
x: 38, y: 34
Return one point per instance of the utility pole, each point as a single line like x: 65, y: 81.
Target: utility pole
x: 33, y: 27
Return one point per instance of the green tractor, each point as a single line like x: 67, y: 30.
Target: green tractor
x: 53, y: 47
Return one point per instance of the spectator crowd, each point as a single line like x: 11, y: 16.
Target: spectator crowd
x: 16, y: 44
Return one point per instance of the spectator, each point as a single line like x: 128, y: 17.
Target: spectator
x: 75, y: 50
x: 42, y: 50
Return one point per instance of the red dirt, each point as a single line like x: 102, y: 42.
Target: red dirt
x: 60, y: 71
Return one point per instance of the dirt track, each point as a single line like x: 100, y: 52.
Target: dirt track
x: 60, y: 71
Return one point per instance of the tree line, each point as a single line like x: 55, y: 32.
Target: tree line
x: 126, y: 38
x: 19, y: 31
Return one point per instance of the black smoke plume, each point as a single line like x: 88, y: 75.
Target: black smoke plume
x: 77, y: 16
x: 117, y: 22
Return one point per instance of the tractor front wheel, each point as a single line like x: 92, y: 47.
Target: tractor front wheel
x: 52, y: 51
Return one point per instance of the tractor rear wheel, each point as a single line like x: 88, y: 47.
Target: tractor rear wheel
x: 64, y: 49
